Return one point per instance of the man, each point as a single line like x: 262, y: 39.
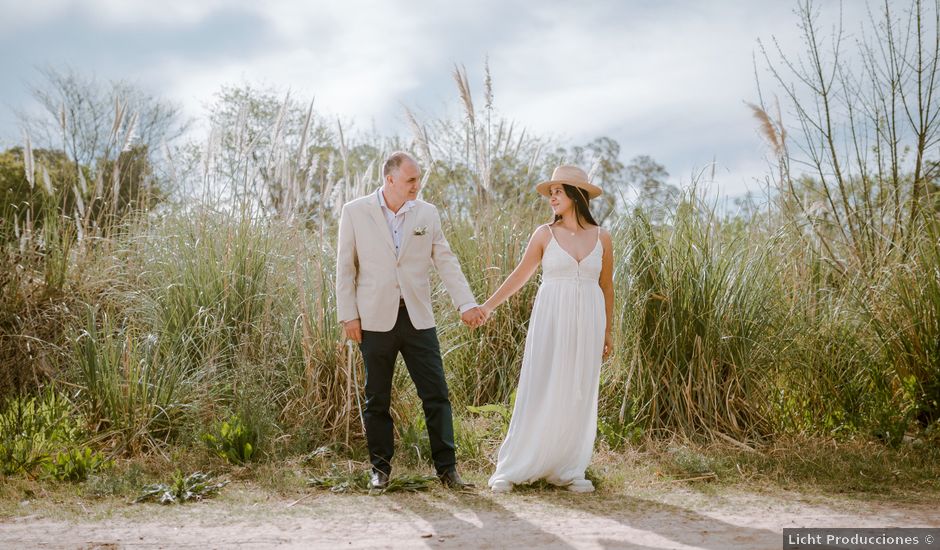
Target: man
x: 387, y: 243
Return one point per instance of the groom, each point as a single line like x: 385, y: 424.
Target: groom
x: 387, y: 242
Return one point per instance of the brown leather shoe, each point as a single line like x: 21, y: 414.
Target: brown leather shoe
x: 378, y: 481
x: 452, y: 480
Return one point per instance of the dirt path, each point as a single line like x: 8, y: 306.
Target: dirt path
x: 248, y: 518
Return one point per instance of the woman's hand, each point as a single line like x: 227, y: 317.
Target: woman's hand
x: 608, y: 345
x: 487, y: 310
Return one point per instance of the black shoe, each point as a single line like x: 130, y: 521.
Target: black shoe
x: 378, y: 481
x: 451, y: 479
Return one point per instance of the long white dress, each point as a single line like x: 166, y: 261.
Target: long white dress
x: 554, y: 421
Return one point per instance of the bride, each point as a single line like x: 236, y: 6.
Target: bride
x: 554, y: 421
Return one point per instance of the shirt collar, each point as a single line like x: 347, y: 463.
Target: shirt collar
x: 404, y: 208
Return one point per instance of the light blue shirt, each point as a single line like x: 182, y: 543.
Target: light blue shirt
x: 395, y: 220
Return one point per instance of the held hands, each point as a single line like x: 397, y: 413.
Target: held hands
x: 473, y: 317
x: 476, y: 317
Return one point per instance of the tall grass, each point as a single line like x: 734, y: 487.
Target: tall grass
x: 694, y: 326
x: 207, y: 278
x: 723, y: 328
x: 329, y: 374
x: 129, y: 387
x: 904, y: 311
x: 484, y: 363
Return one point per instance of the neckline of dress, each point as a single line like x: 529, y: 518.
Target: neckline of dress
x: 579, y: 262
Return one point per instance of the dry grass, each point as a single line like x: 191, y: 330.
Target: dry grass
x: 728, y: 329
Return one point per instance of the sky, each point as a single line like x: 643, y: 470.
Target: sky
x: 668, y: 79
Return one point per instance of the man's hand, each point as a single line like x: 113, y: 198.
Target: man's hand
x: 473, y: 317
x: 353, y: 330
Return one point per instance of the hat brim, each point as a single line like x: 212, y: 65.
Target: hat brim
x: 593, y: 191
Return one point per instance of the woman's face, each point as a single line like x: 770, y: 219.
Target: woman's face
x: 559, y: 200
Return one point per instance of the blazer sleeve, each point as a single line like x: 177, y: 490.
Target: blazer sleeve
x: 347, y: 269
x: 448, y: 267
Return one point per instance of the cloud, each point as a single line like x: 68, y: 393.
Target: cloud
x: 110, y: 13
x: 346, y: 90
x: 362, y: 67
x: 666, y: 79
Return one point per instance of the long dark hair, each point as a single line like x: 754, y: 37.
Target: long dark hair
x: 580, y: 199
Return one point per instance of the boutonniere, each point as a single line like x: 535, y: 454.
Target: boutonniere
x: 421, y: 230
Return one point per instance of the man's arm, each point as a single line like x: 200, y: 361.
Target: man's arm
x: 347, y: 269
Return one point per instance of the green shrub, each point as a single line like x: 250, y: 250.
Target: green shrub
x: 33, y: 428
x: 618, y: 434
x: 196, y: 486
x: 233, y: 440
x: 75, y: 465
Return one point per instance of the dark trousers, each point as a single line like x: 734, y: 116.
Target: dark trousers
x: 422, y: 354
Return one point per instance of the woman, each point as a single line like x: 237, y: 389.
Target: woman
x: 551, y: 434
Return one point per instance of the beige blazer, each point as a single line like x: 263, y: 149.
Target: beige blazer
x: 370, y: 279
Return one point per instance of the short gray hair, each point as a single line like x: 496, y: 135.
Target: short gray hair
x: 394, y: 160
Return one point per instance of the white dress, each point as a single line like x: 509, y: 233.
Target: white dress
x: 554, y: 421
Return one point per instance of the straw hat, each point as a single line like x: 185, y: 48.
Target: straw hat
x: 573, y: 176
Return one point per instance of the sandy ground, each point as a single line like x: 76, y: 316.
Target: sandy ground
x: 246, y: 517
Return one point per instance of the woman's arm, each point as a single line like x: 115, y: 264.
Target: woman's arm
x: 607, y: 286
x: 522, y: 273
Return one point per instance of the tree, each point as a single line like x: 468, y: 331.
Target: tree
x: 655, y: 196
x: 270, y: 150
x: 865, y: 132
x: 91, y: 121
x: 109, y: 135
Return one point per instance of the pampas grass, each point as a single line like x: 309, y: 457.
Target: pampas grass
x: 221, y: 304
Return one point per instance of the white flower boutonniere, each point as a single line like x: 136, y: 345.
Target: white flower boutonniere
x: 421, y: 230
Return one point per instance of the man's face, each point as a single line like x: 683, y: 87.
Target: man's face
x: 404, y: 182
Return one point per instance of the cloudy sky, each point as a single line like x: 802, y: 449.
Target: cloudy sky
x: 668, y: 79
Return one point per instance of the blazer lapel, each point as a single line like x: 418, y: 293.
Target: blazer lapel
x: 411, y: 220
x: 375, y: 212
